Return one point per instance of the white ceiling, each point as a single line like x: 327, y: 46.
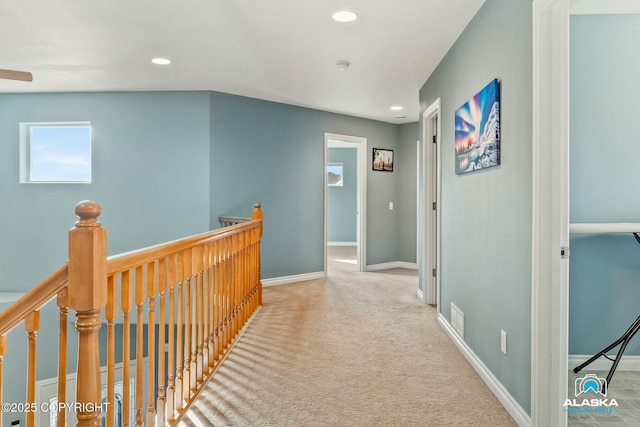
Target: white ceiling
x: 278, y: 50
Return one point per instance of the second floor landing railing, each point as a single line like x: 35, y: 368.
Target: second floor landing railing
x: 186, y: 302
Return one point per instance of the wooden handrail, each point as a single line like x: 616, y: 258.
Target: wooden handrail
x: 210, y: 283
x: 130, y: 259
x: 33, y: 300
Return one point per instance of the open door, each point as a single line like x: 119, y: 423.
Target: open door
x: 429, y: 227
x: 360, y: 145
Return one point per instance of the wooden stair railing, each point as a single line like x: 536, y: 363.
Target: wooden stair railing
x: 198, y: 294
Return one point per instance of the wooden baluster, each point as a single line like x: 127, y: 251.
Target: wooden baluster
x: 62, y: 301
x: 111, y: 312
x: 212, y: 307
x: 201, y: 280
x: 125, y: 279
x: 208, y: 286
x: 234, y: 289
x: 151, y: 343
x: 223, y: 296
x: 139, y: 341
x: 179, y: 340
x: 87, y: 295
x: 245, y: 288
x: 171, y: 368
x: 186, y: 372
x: 32, y: 326
x: 3, y: 352
x: 204, y: 334
x: 227, y: 292
x: 162, y: 288
x: 196, y: 356
x: 215, y: 283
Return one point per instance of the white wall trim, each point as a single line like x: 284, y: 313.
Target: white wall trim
x: 511, y: 405
x: 429, y: 254
x: 420, y: 294
x: 390, y: 265
x: 550, y: 219
x: 342, y: 243
x: 293, y: 279
x: 588, y: 7
x: 627, y: 363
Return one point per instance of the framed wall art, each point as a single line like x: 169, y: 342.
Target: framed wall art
x: 477, y: 131
x: 382, y: 160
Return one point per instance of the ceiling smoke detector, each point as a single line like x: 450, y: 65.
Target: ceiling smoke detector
x: 343, y: 65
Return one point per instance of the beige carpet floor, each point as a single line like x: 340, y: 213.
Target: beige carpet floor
x: 355, y: 349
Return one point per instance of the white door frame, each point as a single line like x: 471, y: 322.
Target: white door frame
x: 348, y: 141
x: 429, y: 192
x: 550, y: 215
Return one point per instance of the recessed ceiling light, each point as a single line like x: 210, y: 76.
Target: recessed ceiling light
x: 396, y: 108
x: 161, y: 61
x: 401, y: 116
x: 345, y: 16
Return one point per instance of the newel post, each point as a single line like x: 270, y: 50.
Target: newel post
x: 257, y: 214
x: 87, y: 295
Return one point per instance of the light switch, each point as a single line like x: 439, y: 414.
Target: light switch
x: 390, y: 206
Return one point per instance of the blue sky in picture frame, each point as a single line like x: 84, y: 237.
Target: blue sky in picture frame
x: 477, y: 131
x: 60, y: 154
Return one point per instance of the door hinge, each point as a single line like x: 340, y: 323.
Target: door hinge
x: 564, y: 252
x: 433, y: 272
x: 435, y: 206
x: 435, y: 138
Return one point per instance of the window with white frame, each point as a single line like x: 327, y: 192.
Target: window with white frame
x: 55, y: 152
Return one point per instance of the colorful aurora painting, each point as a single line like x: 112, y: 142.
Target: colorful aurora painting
x: 478, y: 131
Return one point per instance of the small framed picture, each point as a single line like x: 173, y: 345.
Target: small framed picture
x: 382, y: 160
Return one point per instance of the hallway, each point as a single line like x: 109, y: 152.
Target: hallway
x: 355, y: 349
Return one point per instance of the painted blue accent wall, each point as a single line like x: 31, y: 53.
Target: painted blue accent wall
x: 486, y: 215
x: 604, y: 270
x: 274, y: 153
x: 150, y: 174
x: 165, y: 166
x: 406, y: 164
x: 342, y: 200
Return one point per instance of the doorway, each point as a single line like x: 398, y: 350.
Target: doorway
x: 550, y: 214
x: 339, y: 176
x: 429, y: 211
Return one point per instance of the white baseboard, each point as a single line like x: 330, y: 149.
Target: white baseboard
x: 627, y: 363
x: 293, y: 279
x: 342, y: 243
x: 390, y: 265
x: 511, y: 405
x: 420, y: 294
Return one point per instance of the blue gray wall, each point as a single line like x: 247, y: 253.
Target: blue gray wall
x: 150, y: 174
x: 486, y: 215
x: 407, y: 168
x: 165, y: 166
x: 274, y: 153
x: 342, y: 200
x: 604, y: 269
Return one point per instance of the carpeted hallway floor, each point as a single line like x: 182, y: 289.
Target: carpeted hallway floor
x: 355, y: 349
